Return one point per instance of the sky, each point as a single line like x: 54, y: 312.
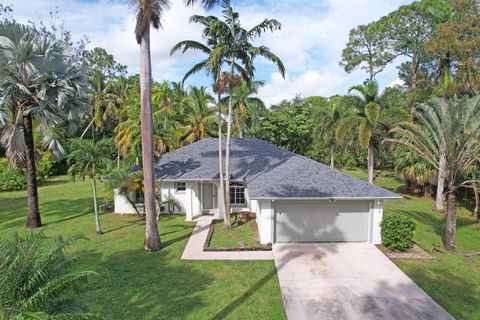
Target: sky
x: 310, y: 42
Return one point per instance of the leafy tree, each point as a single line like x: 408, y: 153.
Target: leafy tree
x: 366, y: 120
x: 98, y: 60
x: 87, y: 159
x: 457, y: 45
x: 38, y: 279
x: 368, y: 49
x: 36, y: 83
x: 451, y: 127
x: 289, y: 125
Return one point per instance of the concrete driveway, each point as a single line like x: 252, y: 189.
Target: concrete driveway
x: 348, y: 281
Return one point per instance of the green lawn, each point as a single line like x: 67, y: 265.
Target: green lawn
x: 140, y: 285
x: 452, y: 280
x: 246, y: 232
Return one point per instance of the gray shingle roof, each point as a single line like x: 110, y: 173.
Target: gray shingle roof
x: 268, y: 171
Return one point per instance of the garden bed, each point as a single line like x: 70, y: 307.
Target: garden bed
x: 415, y: 252
x: 242, y: 237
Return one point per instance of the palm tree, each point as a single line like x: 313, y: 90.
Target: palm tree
x: 103, y: 99
x: 148, y: 12
x: 125, y: 182
x: 237, y: 49
x: 36, y: 83
x: 366, y: 119
x: 213, y: 66
x: 37, y: 275
x: 247, y: 109
x: 327, y: 119
x: 450, y: 126
x: 87, y: 158
x: 200, y: 117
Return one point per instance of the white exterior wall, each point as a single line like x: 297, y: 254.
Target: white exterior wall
x: 121, y: 204
x: 376, y: 215
x: 265, y: 220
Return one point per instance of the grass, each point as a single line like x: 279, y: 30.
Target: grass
x: 452, y: 279
x: 246, y: 232
x: 140, y: 285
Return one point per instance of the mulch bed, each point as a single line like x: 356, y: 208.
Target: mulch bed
x: 413, y: 253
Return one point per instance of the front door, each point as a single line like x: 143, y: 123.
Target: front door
x: 208, y: 195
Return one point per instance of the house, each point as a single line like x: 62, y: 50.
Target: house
x: 295, y: 199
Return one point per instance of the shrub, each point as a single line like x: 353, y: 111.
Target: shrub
x: 397, y: 232
x: 12, y: 178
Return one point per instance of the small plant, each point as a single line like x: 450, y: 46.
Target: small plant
x: 397, y: 232
x: 40, y: 279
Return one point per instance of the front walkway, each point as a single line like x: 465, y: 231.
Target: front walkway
x: 348, y: 281
x: 194, y: 248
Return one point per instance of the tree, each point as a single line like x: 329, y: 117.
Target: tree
x: 99, y: 60
x: 230, y: 44
x: 367, y: 120
x: 327, y: 117
x: 37, y: 275
x: 36, y: 83
x: 89, y: 158
x: 368, y: 49
x: 102, y: 99
x: 149, y: 12
x: 289, y: 125
x: 451, y: 127
x: 200, y: 117
x: 246, y: 108
x: 125, y: 182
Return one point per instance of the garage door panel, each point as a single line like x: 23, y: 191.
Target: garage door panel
x: 321, y: 221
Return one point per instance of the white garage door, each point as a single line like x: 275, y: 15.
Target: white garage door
x: 317, y: 221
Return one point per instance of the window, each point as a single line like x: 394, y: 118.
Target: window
x: 181, y: 186
x: 237, y: 193
x: 139, y: 196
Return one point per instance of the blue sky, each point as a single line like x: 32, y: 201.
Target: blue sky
x: 310, y: 43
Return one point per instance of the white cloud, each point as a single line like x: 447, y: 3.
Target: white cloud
x: 310, y: 43
x: 309, y: 83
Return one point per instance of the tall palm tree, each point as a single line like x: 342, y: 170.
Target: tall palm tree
x: 213, y: 66
x: 450, y: 126
x: 366, y: 118
x: 87, y: 159
x: 200, y: 116
x: 38, y: 274
x: 36, y: 84
x: 236, y: 48
x: 327, y: 119
x: 149, y: 12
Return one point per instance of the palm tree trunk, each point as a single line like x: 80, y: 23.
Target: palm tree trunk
x: 476, y: 211
x: 438, y: 204
x: 152, y: 238
x: 370, y: 162
x: 451, y: 218
x: 226, y: 216
x: 33, y: 217
x: 95, y: 205
x: 220, y: 156
x: 332, y: 149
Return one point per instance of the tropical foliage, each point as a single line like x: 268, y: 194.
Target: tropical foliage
x: 39, y: 279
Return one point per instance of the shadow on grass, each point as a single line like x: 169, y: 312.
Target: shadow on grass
x: 148, y: 286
